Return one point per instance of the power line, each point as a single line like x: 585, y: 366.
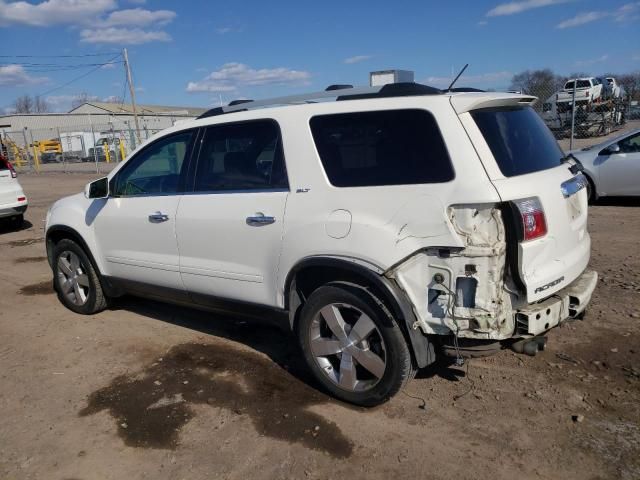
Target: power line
x: 29, y: 64
x: 79, y: 77
x: 106, y: 54
x: 44, y: 68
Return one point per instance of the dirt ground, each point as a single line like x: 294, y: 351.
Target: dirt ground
x: 146, y: 390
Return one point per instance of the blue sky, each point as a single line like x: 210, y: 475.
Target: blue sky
x: 197, y: 52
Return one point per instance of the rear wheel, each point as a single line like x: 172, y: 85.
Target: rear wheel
x: 76, y: 280
x: 17, y: 221
x: 353, y: 345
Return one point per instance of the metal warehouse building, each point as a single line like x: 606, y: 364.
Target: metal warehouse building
x: 74, y: 135
x: 94, y: 115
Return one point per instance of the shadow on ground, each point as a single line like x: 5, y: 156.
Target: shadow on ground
x: 274, y: 391
x: 8, y: 225
x: 618, y: 202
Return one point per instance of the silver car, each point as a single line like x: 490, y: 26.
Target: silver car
x: 613, y: 166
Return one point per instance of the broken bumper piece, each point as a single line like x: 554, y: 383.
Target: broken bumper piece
x: 568, y: 303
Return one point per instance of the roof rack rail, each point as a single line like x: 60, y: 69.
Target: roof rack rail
x: 239, y: 102
x: 401, y: 89
x: 355, y: 93
x: 465, y: 89
x: 338, y: 86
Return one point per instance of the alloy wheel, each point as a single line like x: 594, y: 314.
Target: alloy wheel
x: 72, y: 278
x: 348, y: 347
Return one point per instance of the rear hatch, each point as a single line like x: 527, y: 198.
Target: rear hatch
x: 8, y: 192
x: 525, y: 165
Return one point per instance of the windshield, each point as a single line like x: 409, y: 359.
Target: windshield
x: 519, y: 140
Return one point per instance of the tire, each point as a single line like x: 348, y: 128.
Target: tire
x: 76, y: 280
x: 17, y: 221
x: 591, y: 190
x: 344, y: 327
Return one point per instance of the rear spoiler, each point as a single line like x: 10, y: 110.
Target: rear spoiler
x: 467, y: 102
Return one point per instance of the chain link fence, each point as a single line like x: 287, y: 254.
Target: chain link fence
x: 86, y: 147
x: 583, y: 108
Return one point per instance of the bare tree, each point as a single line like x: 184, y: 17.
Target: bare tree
x: 40, y: 105
x: 81, y: 99
x: 631, y: 84
x: 23, y: 104
x: 28, y: 104
x: 539, y: 83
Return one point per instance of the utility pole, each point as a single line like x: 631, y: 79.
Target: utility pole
x: 132, y: 90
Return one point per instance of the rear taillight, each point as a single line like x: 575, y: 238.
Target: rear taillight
x: 534, y: 223
x: 7, y: 164
x: 22, y: 199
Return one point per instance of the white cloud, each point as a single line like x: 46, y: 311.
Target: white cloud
x: 123, y: 36
x: 592, y: 61
x: 512, y: 8
x: 357, y: 59
x: 482, y: 23
x: 16, y: 75
x: 490, y: 78
x: 228, y: 29
x: 233, y: 75
x: 99, y: 19
x: 53, y: 12
x: 138, y: 17
x: 581, y: 19
x: 626, y: 13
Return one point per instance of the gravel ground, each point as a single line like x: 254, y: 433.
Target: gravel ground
x: 146, y: 390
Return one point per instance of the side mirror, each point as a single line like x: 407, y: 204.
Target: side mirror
x: 97, y: 189
x: 613, y: 148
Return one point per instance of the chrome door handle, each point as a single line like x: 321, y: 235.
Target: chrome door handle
x: 158, y: 217
x: 260, y: 219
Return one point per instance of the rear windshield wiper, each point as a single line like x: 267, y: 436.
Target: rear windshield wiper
x: 576, y: 167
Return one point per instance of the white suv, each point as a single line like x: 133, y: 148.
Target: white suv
x: 387, y: 224
x: 13, y: 201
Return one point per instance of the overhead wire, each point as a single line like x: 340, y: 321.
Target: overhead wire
x: 105, y: 54
x: 98, y: 66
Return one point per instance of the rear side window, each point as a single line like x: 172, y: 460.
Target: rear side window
x: 579, y: 84
x: 390, y: 147
x: 519, y: 140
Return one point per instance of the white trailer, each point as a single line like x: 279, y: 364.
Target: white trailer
x: 76, y: 145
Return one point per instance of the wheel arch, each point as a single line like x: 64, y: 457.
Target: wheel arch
x: 55, y: 233
x: 313, y: 272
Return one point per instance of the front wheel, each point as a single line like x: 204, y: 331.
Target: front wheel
x: 76, y: 280
x: 353, y: 345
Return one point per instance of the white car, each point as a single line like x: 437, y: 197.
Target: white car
x: 613, y: 166
x: 13, y: 201
x: 386, y: 224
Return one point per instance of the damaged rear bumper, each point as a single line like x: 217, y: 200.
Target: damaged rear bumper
x: 565, y: 304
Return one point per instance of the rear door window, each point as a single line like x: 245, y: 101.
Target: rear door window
x: 389, y: 147
x: 241, y: 157
x: 519, y: 140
